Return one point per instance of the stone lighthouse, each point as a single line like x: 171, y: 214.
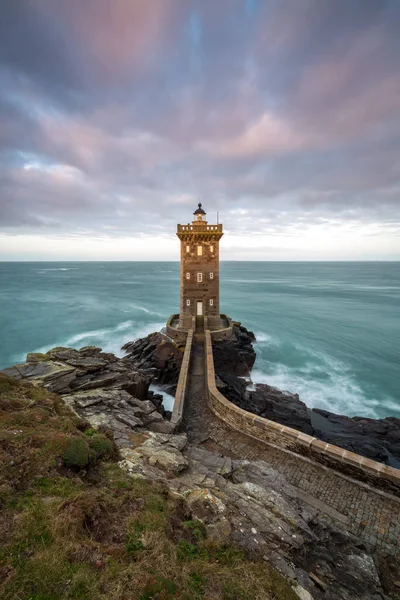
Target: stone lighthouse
x: 199, y: 271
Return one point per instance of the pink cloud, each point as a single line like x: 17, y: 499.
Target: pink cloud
x: 118, y: 35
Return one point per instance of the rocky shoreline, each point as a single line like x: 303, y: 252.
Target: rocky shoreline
x: 377, y: 439
x: 242, y: 501
x: 100, y: 387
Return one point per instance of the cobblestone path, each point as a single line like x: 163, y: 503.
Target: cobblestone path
x: 372, y: 515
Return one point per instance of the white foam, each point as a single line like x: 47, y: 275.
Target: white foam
x: 338, y: 393
x: 58, y: 269
x: 110, y: 340
x: 145, y: 310
x: 168, y: 400
x: 262, y: 338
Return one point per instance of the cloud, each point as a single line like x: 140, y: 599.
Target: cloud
x: 115, y: 119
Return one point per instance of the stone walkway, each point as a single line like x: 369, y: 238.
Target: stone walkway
x: 370, y: 514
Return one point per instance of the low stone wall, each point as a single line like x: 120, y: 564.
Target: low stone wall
x: 180, y: 394
x: 222, y: 334
x: 356, y: 466
x: 178, y: 335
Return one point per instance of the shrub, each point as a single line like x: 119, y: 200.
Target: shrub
x: 76, y: 454
x: 101, y: 446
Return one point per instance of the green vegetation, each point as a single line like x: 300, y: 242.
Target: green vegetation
x: 73, y: 525
x: 76, y: 454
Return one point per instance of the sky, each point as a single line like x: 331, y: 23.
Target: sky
x: 118, y: 117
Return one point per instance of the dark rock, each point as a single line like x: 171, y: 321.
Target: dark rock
x: 233, y: 388
x: 378, y: 439
x: 282, y: 407
x: 158, y: 353
x: 90, y: 350
x: 235, y: 356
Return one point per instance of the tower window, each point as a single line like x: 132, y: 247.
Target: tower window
x: 187, y: 302
x: 199, y: 250
x: 199, y: 277
x: 211, y: 275
x: 211, y: 302
x: 187, y: 248
x: 211, y: 249
x: 187, y: 275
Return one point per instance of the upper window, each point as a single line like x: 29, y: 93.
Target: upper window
x: 211, y: 248
x: 199, y: 277
x: 211, y: 275
x: 187, y: 275
x: 187, y: 302
x: 187, y: 248
x: 199, y: 250
x: 211, y: 302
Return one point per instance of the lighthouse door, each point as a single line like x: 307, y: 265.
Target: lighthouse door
x: 199, y: 309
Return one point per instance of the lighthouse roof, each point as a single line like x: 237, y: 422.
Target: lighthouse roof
x: 199, y: 211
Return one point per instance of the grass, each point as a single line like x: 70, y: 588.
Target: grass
x: 85, y: 530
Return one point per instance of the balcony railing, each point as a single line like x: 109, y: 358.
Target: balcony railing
x: 201, y: 227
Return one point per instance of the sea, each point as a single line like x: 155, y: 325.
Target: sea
x: 329, y: 331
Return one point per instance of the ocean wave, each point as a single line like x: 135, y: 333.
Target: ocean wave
x: 321, y: 380
x: 148, y: 311
x: 110, y: 339
x: 57, y: 269
x: 338, y: 394
x: 264, y: 338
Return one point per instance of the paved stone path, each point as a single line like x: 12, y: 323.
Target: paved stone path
x: 370, y: 514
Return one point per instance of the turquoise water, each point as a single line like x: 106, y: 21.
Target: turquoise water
x: 328, y: 331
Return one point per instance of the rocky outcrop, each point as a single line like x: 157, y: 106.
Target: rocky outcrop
x: 282, y: 407
x: 66, y: 370
x: 158, y: 355
x: 99, y: 387
x: 378, y: 439
x: 235, y: 357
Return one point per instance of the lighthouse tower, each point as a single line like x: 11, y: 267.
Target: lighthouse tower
x: 199, y: 270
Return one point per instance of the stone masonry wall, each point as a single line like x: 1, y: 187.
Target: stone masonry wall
x: 180, y: 394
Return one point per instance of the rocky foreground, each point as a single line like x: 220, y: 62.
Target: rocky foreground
x: 241, y: 502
